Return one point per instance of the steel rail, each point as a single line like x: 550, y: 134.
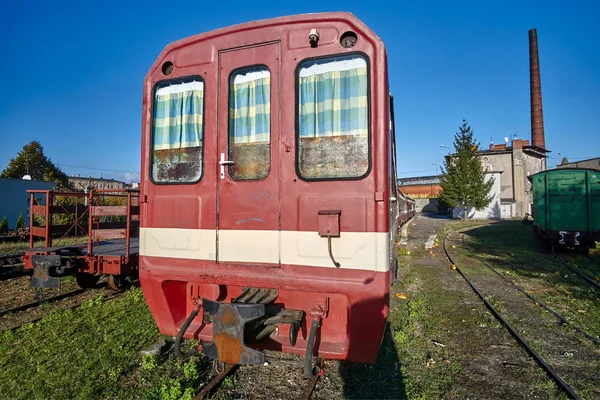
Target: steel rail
x: 34, y: 304
x: 14, y: 238
x: 9, y: 266
x: 312, y: 382
x: 549, y: 370
x: 540, y: 303
x: 110, y: 296
x: 214, y: 383
x: 11, y: 256
x: 587, y: 278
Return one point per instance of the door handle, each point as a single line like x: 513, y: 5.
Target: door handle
x: 223, y: 163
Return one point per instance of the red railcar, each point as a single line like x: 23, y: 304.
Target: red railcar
x: 407, y: 207
x: 268, y: 206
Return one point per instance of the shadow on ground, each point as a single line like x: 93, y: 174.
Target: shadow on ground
x: 379, y: 381
x: 511, y: 245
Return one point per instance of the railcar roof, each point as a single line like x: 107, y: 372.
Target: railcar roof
x: 554, y: 170
x: 270, y: 22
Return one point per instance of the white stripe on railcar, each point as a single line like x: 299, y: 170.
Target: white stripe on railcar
x: 353, y: 250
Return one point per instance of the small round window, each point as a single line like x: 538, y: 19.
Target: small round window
x: 348, y: 39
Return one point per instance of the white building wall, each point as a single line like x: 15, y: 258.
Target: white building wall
x: 493, y: 210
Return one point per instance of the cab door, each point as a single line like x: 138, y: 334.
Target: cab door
x: 248, y: 160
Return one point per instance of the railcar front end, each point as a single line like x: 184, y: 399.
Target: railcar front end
x: 566, y: 207
x: 267, y: 214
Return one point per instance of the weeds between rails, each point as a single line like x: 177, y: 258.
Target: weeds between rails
x: 106, y: 295
x: 543, y: 364
x: 562, y: 319
x: 38, y: 303
x: 224, y: 370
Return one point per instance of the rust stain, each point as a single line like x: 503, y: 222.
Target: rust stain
x: 229, y: 348
x: 227, y: 317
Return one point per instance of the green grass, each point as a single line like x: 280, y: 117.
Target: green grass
x: 77, y: 354
x: 427, y: 371
x: 515, y: 253
x: 93, y: 352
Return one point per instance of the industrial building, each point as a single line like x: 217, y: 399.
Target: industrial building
x: 86, y: 183
x: 511, y: 162
x: 591, y: 163
x: 424, y: 190
x: 508, y: 163
x: 15, y: 199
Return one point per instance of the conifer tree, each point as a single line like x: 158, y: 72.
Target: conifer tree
x: 20, y: 223
x: 4, y: 225
x: 463, y: 181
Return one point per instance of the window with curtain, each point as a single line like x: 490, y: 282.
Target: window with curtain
x: 250, y: 122
x: 177, y: 133
x: 333, y: 118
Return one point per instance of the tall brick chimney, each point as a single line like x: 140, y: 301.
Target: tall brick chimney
x: 537, y: 115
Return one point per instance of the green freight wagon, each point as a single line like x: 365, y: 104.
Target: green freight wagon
x: 566, y: 207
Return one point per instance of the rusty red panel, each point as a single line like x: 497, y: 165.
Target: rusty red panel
x: 193, y: 206
x: 353, y: 305
x: 39, y: 231
x: 329, y: 223
x: 108, y: 210
x: 38, y: 210
x: 108, y: 234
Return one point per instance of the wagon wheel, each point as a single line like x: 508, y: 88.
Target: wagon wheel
x: 118, y: 282
x: 86, y: 281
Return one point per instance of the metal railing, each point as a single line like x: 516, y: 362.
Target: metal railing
x: 98, y: 214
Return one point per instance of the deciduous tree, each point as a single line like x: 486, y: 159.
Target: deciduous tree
x: 32, y: 161
x: 463, y: 181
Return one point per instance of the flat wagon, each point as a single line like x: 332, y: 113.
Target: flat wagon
x: 102, y: 226
x: 268, y: 189
x: 566, y: 207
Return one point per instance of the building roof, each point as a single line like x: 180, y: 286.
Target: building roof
x: 85, y: 178
x: 26, y: 180
x: 419, y: 180
x: 580, y: 161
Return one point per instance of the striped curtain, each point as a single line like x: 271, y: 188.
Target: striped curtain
x: 250, y: 106
x: 178, y: 116
x: 333, y: 98
x: 178, y: 132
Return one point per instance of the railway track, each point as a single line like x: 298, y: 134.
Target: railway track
x: 586, y: 278
x: 223, y: 371
x: 34, y: 304
x: 14, y: 238
x: 11, y: 266
x: 538, y: 302
x: 528, y: 329
x: 107, y: 294
x: 10, y: 259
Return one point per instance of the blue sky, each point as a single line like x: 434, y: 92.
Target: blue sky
x: 73, y: 72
